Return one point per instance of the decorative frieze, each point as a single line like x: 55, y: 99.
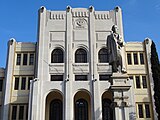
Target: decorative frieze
x: 102, y: 15
x: 57, y: 15
x: 80, y: 14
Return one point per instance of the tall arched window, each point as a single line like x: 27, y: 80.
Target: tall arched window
x: 57, y: 56
x: 81, y: 109
x: 56, y: 111
x: 103, y: 55
x: 107, y: 112
x: 81, y: 56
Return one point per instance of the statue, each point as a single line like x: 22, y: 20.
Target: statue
x: 115, y: 47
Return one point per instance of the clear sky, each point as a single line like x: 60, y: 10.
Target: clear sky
x: 19, y: 18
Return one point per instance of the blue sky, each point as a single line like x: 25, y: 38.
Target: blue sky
x: 18, y: 19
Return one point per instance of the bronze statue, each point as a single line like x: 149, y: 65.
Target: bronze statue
x: 115, y: 47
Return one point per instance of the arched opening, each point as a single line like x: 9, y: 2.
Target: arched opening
x: 54, y: 106
x: 103, y: 56
x: 107, y: 109
x: 82, y: 106
x: 80, y: 56
x: 57, y: 56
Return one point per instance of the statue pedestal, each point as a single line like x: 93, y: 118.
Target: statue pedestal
x: 120, y: 87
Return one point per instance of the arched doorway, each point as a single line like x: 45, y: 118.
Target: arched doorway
x: 82, y: 106
x: 107, y: 109
x: 54, y: 106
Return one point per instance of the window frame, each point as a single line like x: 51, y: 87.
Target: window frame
x: 103, y: 56
x: 81, y: 56
x: 57, y: 56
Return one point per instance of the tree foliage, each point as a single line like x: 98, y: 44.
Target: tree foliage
x: 155, y: 66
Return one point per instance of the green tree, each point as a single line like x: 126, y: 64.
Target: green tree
x: 155, y: 66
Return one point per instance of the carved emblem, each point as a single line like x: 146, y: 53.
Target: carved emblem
x: 80, y: 23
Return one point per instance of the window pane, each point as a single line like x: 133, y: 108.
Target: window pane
x: 141, y: 58
x: 104, y: 77
x: 1, y: 85
x: 103, y: 56
x: 31, y: 59
x: 14, y: 112
x: 107, y: 112
x: 25, y: 59
x: 56, y: 77
x: 21, y: 112
x: 81, y: 110
x: 148, y: 115
x: 18, y: 59
x: 144, y: 81
x: 81, y: 77
x: 138, y: 82
x: 23, y: 83
x: 57, y: 56
x: 26, y: 112
x: 135, y: 58
x: 16, y: 84
x: 140, y: 110
x: 129, y: 58
x: 81, y: 56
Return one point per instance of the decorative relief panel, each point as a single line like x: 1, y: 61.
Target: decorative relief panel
x: 80, y: 23
x: 80, y: 68
x: 57, y: 36
x: 104, y: 67
x: 101, y: 36
x: 56, y: 68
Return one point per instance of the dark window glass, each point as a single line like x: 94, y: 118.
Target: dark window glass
x: 21, y: 112
x: 81, y: 56
x: 25, y: 59
x: 140, y: 110
x: 56, y: 110
x: 31, y: 59
x: 16, y: 84
x: 141, y: 58
x: 138, y: 85
x: 30, y: 78
x: 135, y: 58
x: 26, y: 112
x: 14, y: 112
x: 144, y: 81
x: 131, y: 77
x: 81, y: 110
x: 81, y: 77
x: 107, y: 112
x: 18, y: 59
x: 1, y: 84
x: 56, y: 77
x: 57, y: 56
x: 129, y: 59
x: 23, y: 83
x: 103, y: 56
x: 148, y: 115
x: 104, y: 77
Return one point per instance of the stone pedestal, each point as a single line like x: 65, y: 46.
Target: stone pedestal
x: 120, y: 86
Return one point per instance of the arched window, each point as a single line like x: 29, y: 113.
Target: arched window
x: 81, y: 110
x: 107, y: 112
x: 81, y: 56
x: 103, y: 55
x: 56, y: 111
x: 57, y: 56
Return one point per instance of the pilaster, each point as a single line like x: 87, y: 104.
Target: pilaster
x: 9, y: 78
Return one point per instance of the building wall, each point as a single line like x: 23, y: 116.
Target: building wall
x: 69, y: 31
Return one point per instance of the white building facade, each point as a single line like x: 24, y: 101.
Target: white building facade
x: 71, y: 77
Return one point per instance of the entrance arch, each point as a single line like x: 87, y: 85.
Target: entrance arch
x: 82, y: 106
x: 54, y: 106
x: 107, y: 109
